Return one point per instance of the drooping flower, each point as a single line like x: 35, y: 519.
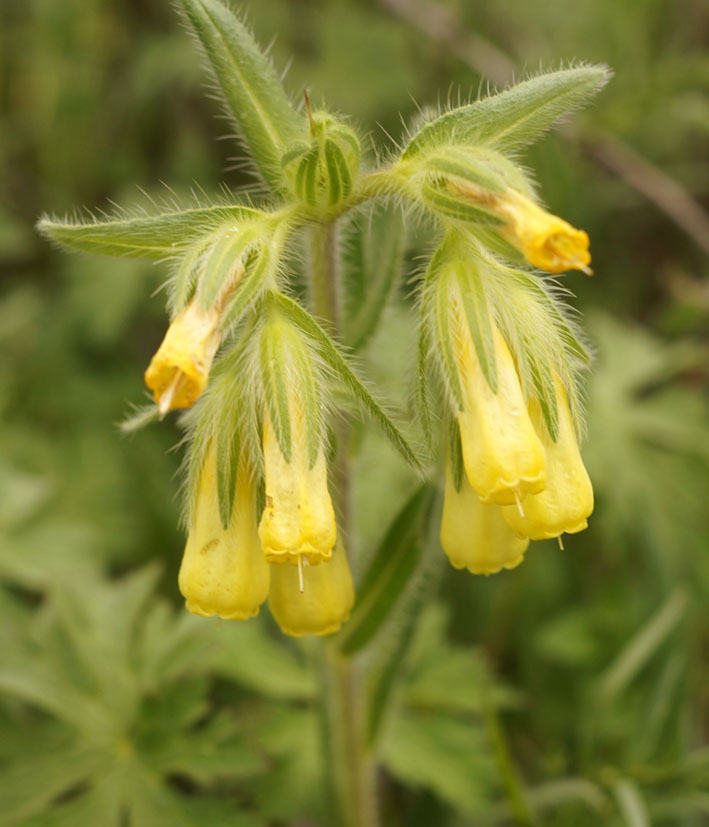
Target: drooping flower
x: 223, y: 571
x: 312, y: 600
x: 474, y: 535
x: 567, y: 502
x: 298, y: 520
x: 179, y: 371
x: 503, y: 457
x: 545, y: 240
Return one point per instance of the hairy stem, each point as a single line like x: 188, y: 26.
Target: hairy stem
x: 350, y: 767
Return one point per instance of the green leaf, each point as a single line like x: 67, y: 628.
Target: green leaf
x: 28, y: 787
x: 445, y: 754
x: 252, y: 91
x: 643, y: 645
x: 512, y: 118
x: 631, y: 804
x: 390, y: 570
x: 336, y: 362
x: 476, y: 167
x: 454, y: 207
x: 371, y: 266
x: 147, y: 236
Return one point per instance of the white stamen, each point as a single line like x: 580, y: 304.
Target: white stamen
x: 561, y: 542
x: 301, y: 588
x: 519, y: 505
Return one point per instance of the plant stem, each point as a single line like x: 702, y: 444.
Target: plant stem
x: 349, y: 766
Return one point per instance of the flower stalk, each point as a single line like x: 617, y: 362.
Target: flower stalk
x: 352, y: 767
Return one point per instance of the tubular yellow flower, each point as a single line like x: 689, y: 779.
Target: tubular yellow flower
x: 503, y: 457
x: 475, y: 536
x: 223, y: 571
x: 178, y: 372
x: 314, y: 600
x: 546, y: 241
x: 298, y: 520
x: 567, y: 501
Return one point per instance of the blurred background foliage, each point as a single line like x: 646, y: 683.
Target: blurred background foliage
x: 573, y: 690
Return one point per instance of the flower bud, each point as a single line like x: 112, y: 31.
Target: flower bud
x: 474, y: 535
x: 322, y: 171
x: 223, y: 571
x: 567, y: 501
x: 545, y: 240
x: 312, y: 600
x: 178, y: 372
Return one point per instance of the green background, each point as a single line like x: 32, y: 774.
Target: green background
x: 583, y: 671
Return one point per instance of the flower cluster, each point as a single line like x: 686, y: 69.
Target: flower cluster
x: 259, y: 374
x: 507, y: 355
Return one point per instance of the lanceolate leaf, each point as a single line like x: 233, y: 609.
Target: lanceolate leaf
x: 336, y: 362
x: 251, y: 88
x: 147, y: 236
x: 514, y: 117
x: 370, y: 271
x: 389, y: 572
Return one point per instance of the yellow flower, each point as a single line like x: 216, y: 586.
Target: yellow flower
x: 312, y: 600
x: 179, y: 371
x: 475, y: 536
x: 223, y: 571
x: 545, y: 240
x: 298, y: 519
x: 503, y: 457
x: 567, y: 501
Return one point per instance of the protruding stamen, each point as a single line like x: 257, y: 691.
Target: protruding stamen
x: 309, y: 111
x: 561, y: 542
x: 584, y: 268
x: 170, y: 393
x: 519, y: 505
x: 301, y: 587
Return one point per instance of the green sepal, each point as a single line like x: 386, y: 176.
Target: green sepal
x: 259, y: 265
x: 389, y: 572
x: 570, y: 337
x: 455, y: 453
x: 273, y: 359
x: 306, y: 178
x: 147, y: 236
x: 371, y: 264
x: 451, y: 206
x: 476, y: 167
x: 226, y: 252
x: 512, y: 118
x: 422, y: 402
x: 331, y: 356
x: 477, y: 316
x: 438, y: 309
x: 338, y: 174
x: 228, y: 452
x: 546, y: 394
x: 253, y: 93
